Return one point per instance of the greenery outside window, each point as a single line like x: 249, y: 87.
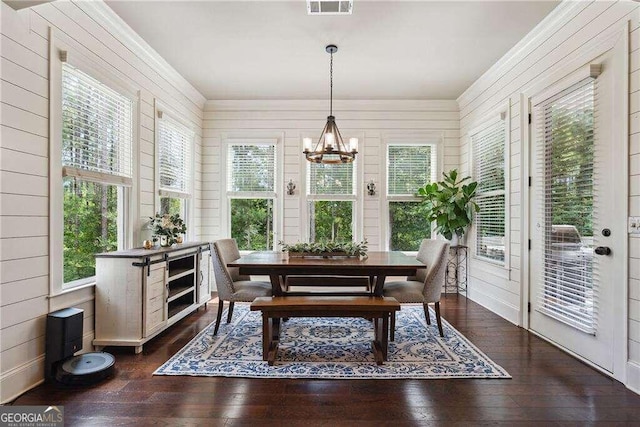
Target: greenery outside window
x: 175, y: 165
x: 488, y: 145
x: 251, y: 172
x: 331, y: 194
x: 409, y: 166
x: 97, y: 141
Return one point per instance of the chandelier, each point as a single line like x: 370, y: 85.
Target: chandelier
x: 330, y: 147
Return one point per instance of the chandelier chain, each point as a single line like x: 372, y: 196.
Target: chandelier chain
x: 331, y: 85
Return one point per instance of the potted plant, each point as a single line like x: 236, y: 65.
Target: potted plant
x: 325, y: 249
x: 450, y: 205
x: 168, y: 228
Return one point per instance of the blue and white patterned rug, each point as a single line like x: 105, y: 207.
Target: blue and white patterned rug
x: 332, y: 348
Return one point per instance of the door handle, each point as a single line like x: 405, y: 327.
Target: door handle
x: 603, y: 250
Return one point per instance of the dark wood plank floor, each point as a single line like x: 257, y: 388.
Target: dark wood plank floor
x: 548, y: 388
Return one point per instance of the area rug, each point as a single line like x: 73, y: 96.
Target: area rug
x: 332, y: 348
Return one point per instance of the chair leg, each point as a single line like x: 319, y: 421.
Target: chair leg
x: 393, y: 327
x: 219, y: 316
x: 426, y: 313
x: 230, y: 314
x: 437, y: 306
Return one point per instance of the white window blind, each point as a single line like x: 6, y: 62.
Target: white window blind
x: 251, y: 169
x: 409, y: 167
x: 174, y: 158
x: 97, y: 129
x: 489, y: 171
x: 330, y: 179
x: 566, y: 125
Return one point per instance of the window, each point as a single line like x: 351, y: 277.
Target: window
x: 409, y: 166
x: 251, y: 172
x: 488, y: 145
x: 331, y: 197
x: 96, y: 152
x: 175, y: 147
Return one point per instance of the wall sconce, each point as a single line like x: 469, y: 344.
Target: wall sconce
x: 371, y: 188
x: 290, y: 187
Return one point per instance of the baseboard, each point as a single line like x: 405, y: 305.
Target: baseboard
x: 31, y: 374
x: 501, y: 308
x: 633, y: 377
x: 21, y: 379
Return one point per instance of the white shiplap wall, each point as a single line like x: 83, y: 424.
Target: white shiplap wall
x: 562, y: 36
x: 372, y: 121
x: 93, y: 31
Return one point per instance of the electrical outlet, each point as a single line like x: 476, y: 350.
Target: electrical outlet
x: 634, y: 225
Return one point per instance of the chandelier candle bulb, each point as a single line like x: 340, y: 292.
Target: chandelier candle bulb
x: 329, y: 139
x: 307, y: 144
x: 353, y: 145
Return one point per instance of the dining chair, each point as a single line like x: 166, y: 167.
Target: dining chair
x: 232, y: 286
x: 426, y: 285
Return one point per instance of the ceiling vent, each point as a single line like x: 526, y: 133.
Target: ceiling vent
x: 329, y: 7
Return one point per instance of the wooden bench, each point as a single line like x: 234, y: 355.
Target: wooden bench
x: 379, y: 309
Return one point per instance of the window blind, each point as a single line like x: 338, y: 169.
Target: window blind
x: 330, y: 179
x: 174, y: 158
x: 97, y: 129
x: 409, y: 167
x: 251, y: 169
x: 566, y: 125
x: 489, y: 171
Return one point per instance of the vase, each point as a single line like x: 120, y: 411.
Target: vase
x: 165, y: 241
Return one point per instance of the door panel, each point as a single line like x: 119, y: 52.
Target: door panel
x: 575, y: 163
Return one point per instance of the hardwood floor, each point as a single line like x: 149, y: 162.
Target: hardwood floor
x: 549, y: 388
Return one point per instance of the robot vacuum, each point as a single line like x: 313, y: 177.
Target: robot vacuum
x: 88, y: 368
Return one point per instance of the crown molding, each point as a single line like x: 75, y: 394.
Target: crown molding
x: 322, y: 105
x: 123, y: 32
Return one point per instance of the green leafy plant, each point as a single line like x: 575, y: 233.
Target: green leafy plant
x: 322, y: 248
x: 449, y: 203
x: 168, y: 225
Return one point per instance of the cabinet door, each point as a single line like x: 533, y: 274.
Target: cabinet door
x: 204, y: 291
x: 155, y: 304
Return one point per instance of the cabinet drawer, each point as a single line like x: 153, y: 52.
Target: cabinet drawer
x: 154, y: 320
x: 155, y: 289
x: 157, y: 275
x: 154, y: 304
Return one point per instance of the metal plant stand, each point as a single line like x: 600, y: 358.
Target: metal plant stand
x: 456, y: 274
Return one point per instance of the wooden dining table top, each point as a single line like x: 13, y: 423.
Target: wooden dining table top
x: 377, y: 262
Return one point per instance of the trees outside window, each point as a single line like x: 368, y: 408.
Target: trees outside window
x: 251, y: 171
x: 331, y: 194
x: 96, y: 144
x: 409, y: 167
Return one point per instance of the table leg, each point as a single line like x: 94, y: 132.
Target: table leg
x: 266, y: 335
x: 276, y: 285
x: 272, y: 351
x: 377, y: 291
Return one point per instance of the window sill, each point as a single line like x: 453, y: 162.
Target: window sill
x: 492, y: 267
x: 72, y: 296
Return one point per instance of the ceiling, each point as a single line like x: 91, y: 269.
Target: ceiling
x: 386, y: 49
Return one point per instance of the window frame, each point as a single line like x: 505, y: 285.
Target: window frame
x: 501, y: 113
x: 59, y: 53
x: 276, y: 195
x: 434, y: 139
x: 162, y: 112
x: 355, y: 198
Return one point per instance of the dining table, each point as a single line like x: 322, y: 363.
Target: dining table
x: 375, y: 266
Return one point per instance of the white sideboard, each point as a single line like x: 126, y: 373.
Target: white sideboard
x: 141, y: 292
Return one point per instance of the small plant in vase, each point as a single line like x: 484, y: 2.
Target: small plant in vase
x: 450, y: 205
x: 168, y: 228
